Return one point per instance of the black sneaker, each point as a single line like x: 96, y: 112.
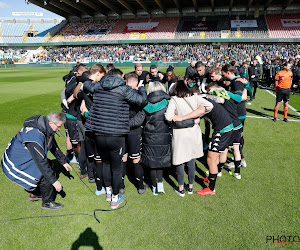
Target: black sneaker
x: 52, y: 205
x: 285, y: 120
x: 188, y: 189
x: 274, y: 119
x: 33, y: 197
x: 143, y: 190
x: 91, y: 180
x: 180, y: 192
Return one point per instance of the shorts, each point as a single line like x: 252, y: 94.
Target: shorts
x: 75, y: 130
x: 236, y: 137
x: 90, y: 145
x: 219, y: 141
x: 283, y: 94
x: 134, y: 146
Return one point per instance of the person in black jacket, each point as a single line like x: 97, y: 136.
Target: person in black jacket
x: 142, y: 74
x: 93, y: 159
x: 200, y: 78
x: 25, y: 159
x: 156, y: 138
x: 190, y: 70
x: 244, y: 71
x: 296, y: 78
x: 170, y: 79
x: 134, y: 138
x: 155, y: 75
x: 108, y: 119
x: 254, y: 74
x: 73, y: 124
x: 235, y: 65
x: 269, y: 73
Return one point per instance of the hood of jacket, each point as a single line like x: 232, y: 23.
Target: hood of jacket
x: 111, y: 81
x: 158, y: 96
x: 41, y: 123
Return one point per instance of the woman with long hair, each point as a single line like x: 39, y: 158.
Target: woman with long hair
x: 186, y: 142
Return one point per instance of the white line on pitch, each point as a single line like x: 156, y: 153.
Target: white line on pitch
x: 261, y: 117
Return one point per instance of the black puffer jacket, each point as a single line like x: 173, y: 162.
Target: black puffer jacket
x: 156, y: 147
x: 109, y: 114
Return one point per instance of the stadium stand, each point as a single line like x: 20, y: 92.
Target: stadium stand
x: 17, y: 31
x: 212, y: 27
x: 280, y: 30
x: 165, y: 29
x: 84, y: 31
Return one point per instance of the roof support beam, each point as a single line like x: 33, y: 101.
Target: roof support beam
x: 212, y: 3
x: 50, y: 8
x: 143, y: 5
x: 110, y: 6
x: 230, y: 5
x: 195, y: 5
x: 249, y: 4
x: 177, y: 3
x: 161, y: 5
x: 287, y: 3
x: 93, y: 6
x: 268, y: 3
x: 66, y: 9
x: 76, y: 6
x: 127, y: 6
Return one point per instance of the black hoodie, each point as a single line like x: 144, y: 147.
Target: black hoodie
x: 41, y: 123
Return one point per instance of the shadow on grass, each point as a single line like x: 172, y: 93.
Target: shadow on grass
x: 168, y: 173
x: 255, y: 112
x: 281, y: 113
x: 87, y: 238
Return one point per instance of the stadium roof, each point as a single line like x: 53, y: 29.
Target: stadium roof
x: 79, y: 8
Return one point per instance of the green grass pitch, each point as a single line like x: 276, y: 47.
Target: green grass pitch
x: 265, y: 202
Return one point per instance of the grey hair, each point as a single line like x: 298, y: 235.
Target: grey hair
x: 155, y: 86
x: 56, y: 117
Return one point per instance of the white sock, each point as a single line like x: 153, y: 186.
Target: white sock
x: 108, y: 190
x: 114, y: 198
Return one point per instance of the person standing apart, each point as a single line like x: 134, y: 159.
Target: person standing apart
x: 283, y: 83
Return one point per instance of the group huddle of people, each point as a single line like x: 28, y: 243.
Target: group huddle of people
x: 148, y: 118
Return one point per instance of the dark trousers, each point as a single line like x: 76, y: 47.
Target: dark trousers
x: 111, y: 150
x: 46, y: 190
x: 253, y: 85
x: 156, y: 175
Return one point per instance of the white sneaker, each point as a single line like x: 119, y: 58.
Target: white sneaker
x: 238, y: 176
x: 219, y: 174
x: 154, y: 191
x: 243, y: 163
x: 231, y: 165
x: 160, y: 188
